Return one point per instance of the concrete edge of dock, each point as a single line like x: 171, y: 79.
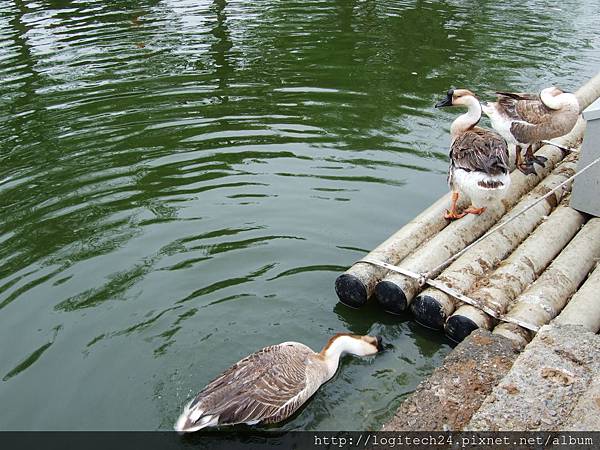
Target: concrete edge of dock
x: 486, y: 384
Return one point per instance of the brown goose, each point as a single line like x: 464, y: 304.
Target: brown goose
x: 478, y: 157
x: 270, y: 385
x: 528, y: 120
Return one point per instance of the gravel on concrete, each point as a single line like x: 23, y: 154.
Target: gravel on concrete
x: 586, y: 414
x: 449, y: 397
x: 553, y: 385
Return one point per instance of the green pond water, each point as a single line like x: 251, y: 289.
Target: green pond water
x: 181, y: 181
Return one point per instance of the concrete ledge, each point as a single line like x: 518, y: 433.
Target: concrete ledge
x: 449, y: 397
x: 552, y: 385
x: 586, y: 414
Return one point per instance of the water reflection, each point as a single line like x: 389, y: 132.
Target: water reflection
x: 220, y: 48
x: 33, y: 357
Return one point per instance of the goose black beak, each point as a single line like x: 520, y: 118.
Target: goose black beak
x: 445, y: 102
x: 379, y: 343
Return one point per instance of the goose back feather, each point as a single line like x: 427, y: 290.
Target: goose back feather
x: 266, y: 386
x: 479, y: 165
x: 480, y: 150
x: 528, y: 120
x: 271, y: 384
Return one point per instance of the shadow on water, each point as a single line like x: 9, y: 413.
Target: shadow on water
x: 33, y: 357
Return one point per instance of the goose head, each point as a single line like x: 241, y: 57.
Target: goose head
x: 353, y: 344
x: 457, y: 97
x: 462, y: 97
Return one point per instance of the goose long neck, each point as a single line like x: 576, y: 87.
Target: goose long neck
x: 467, y: 120
x: 335, y: 349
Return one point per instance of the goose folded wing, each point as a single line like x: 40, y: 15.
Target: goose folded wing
x: 480, y: 150
x: 518, y: 95
x: 542, y: 123
x: 528, y: 109
x: 266, y: 386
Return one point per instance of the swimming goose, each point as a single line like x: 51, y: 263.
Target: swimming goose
x: 270, y: 385
x: 527, y: 120
x: 478, y: 157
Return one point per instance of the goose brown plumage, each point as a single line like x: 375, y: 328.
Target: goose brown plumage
x: 478, y: 157
x: 271, y: 384
x: 527, y: 120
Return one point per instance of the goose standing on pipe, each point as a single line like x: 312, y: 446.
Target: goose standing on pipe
x: 270, y: 385
x: 478, y: 157
x: 528, y: 120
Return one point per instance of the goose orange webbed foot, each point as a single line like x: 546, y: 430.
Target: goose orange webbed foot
x: 474, y: 210
x: 453, y: 215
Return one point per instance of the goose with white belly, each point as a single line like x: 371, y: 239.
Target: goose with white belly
x: 528, y: 120
x: 479, y: 166
x: 270, y: 385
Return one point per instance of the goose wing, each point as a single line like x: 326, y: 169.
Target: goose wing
x: 268, y: 386
x: 518, y: 95
x: 524, y: 107
x: 532, y: 120
x: 480, y: 150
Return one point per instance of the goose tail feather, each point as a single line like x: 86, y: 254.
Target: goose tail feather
x: 194, y: 419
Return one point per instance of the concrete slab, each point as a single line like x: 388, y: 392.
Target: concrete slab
x: 586, y: 414
x: 546, y: 388
x: 454, y: 391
